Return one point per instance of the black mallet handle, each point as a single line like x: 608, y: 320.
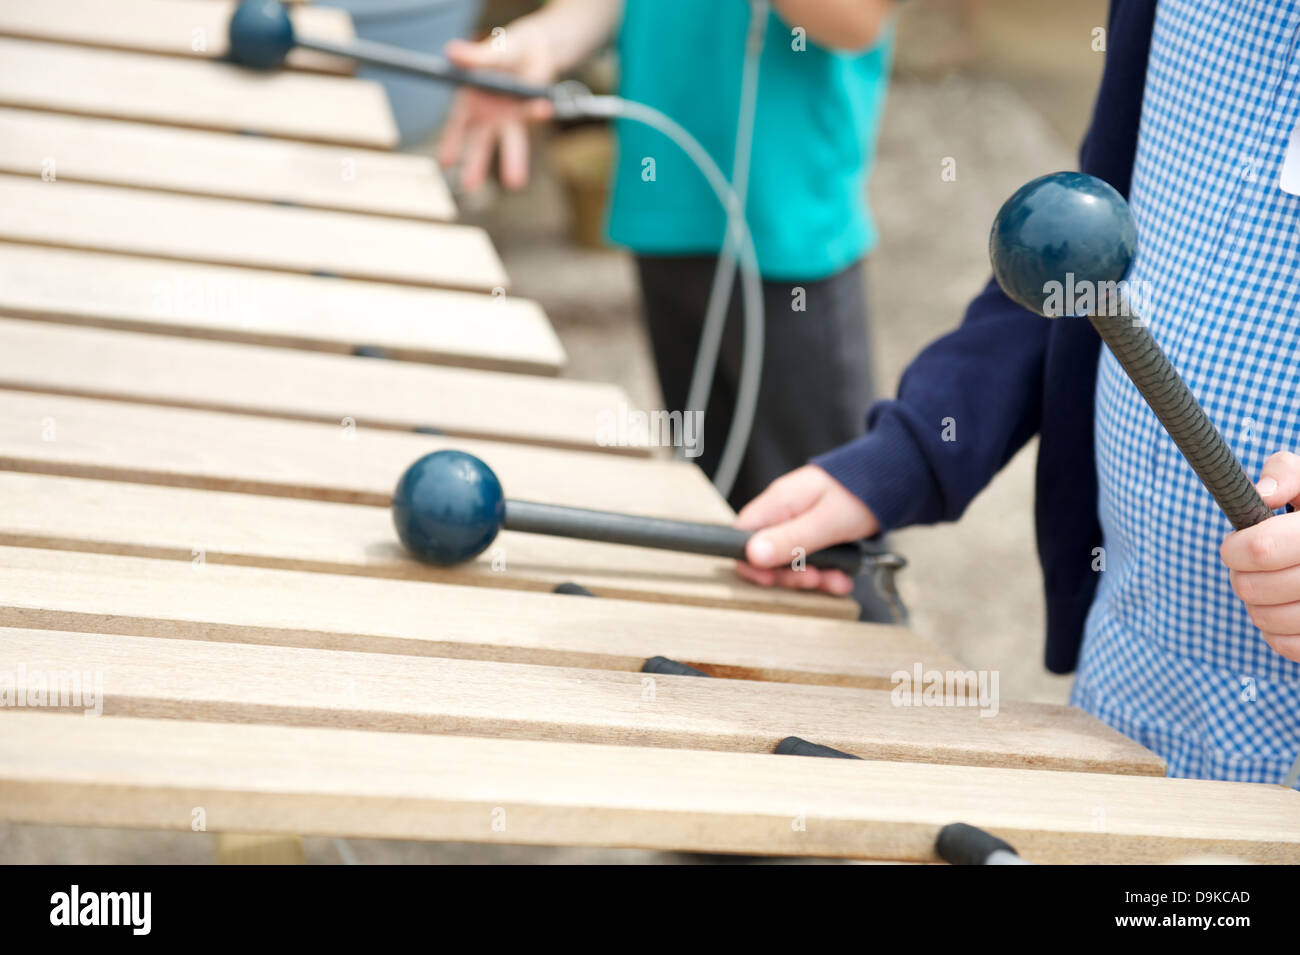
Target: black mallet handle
x: 794, y: 746
x: 427, y: 65
x: 960, y: 844
x: 1184, y: 419
x: 667, y: 667
x: 714, y: 540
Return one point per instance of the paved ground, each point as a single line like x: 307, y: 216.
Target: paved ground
x: 1006, y: 97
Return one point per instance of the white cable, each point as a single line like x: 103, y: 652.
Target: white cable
x: 570, y: 102
x: 715, y: 319
x: 573, y: 100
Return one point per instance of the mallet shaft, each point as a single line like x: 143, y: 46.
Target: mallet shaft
x: 714, y: 540
x: 428, y: 65
x: 1184, y: 419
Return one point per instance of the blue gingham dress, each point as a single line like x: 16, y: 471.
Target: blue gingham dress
x: 1171, y: 657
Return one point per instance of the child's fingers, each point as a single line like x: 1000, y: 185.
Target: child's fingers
x: 755, y: 575
x: 1273, y: 544
x: 480, y: 141
x: 483, y: 55
x: 1279, y: 482
x: 1286, y: 644
x: 785, y: 498
x: 539, y: 110
x: 453, y: 133
x: 833, y: 582
x: 514, y: 155
x: 783, y: 543
x: 1281, y: 618
x: 798, y: 580
x: 1267, y: 587
x: 811, y: 578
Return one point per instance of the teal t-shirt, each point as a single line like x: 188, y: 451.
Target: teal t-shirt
x: 814, y: 137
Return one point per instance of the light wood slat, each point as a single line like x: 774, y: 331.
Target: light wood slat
x: 230, y: 232
x: 223, y: 682
x: 183, y: 524
x: 165, y: 26
x: 63, y: 590
x: 250, y: 379
x: 271, y: 308
x: 235, y: 848
x: 117, y: 153
x: 120, y: 771
x: 53, y: 434
x: 200, y: 94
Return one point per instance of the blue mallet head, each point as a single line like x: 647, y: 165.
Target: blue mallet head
x: 448, y: 507
x: 1061, y: 225
x: 261, y: 34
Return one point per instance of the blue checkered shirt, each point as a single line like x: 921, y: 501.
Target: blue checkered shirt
x: 1170, y: 656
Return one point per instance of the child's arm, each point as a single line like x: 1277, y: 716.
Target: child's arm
x: 1264, y: 560
x: 965, y: 406
x: 837, y: 24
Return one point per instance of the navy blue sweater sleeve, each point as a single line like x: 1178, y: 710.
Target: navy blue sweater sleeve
x: 965, y: 405
x: 973, y: 398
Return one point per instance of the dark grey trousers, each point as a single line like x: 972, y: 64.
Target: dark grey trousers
x: 817, y: 379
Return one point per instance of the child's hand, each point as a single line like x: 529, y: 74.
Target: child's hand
x: 807, y: 509
x: 1264, y: 560
x: 483, y: 123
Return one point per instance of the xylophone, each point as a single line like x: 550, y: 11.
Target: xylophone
x: 198, y: 454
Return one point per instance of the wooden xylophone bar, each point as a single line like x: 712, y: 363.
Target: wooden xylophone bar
x: 115, y: 153
x: 399, y: 396
x: 217, y: 682
x: 195, y: 94
x: 185, y: 28
x: 274, y: 779
x: 311, y: 241
x: 273, y: 308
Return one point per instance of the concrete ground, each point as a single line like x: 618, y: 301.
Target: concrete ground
x: 1001, y: 86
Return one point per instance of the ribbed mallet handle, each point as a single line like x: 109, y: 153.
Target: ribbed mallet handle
x: 1182, y: 416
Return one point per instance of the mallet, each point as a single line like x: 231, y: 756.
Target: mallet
x: 1071, y: 228
x: 262, y: 35
x: 449, y: 506
x: 1076, y: 230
